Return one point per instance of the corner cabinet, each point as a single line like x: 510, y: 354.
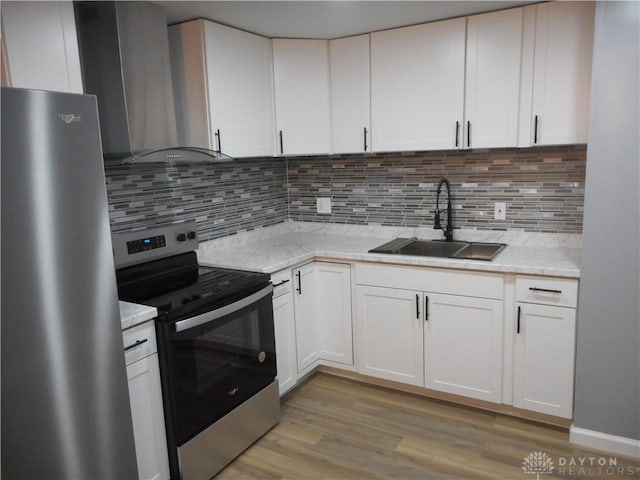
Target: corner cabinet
x: 301, y: 86
x: 557, y: 73
x: 145, y: 396
x: 322, y: 301
x: 41, y: 46
x: 223, y: 87
x: 544, y: 345
x: 350, y: 94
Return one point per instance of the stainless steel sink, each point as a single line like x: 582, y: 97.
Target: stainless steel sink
x: 441, y: 248
x: 479, y: 251
x: 430, y: 248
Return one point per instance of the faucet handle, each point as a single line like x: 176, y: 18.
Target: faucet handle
x: 436, y: 220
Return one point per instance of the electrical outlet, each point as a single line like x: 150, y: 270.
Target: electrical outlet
x: 500, y: 212
x: 323, y: 205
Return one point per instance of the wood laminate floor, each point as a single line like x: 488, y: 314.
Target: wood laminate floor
x: 334, y: 428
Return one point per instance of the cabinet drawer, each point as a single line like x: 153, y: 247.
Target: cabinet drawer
x: 547, y: 291
x: 452, y: 282
x: 281, y: 283
x: 139, y: 342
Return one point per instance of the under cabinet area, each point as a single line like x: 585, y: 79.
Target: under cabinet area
x: 145, y: 396
x: 544, y: 345
x: 223, y: 86
x: 433, y: 328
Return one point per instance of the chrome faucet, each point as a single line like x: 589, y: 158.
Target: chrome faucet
x: 448, y: 232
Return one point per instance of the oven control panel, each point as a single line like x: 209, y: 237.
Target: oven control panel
x: 144, y: 244
x: 131, y: 248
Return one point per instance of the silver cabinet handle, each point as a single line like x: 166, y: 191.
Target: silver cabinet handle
x: 223, y: 311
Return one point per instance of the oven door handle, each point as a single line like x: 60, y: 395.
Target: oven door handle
x: 223, y: 311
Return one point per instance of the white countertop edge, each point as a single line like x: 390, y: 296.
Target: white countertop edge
x: 132, y: 314
x: 477, y: 265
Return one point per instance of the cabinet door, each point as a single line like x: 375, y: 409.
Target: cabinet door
x: 285, y: 333
x: 543, y: 363
x: 350, y: 94
x: 305, y: 283
x: 334, y: 312
x: 561, y: 74
x: 240, y: 83
x: 148, y: 419
x: 42, y: 47
x: 463, y: 346
x: 223, y: 86
x: 301, y: 85
x: 390, y: 343
x: 494, y: 43
x: 417, y: 86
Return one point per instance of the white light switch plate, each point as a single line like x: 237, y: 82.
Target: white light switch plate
x: 323, y: 205
x: 500, y: 212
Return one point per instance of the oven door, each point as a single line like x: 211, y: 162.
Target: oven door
x: 217, y: 360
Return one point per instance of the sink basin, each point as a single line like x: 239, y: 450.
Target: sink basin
x: 440, y: 248
x: 479, y: 251
x: 430, y: 248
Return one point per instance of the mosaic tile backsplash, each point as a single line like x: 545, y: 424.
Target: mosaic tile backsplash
x: 543, y: 189
x: 223, y: 198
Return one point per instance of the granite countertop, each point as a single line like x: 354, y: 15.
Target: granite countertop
x: 275, y: 248
x: 132, y: 314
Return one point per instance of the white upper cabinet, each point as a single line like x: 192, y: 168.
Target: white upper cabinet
x: 223, y: 87
x: 301, y: 81
x: 556, y: 88
x: 417, y: 86
x: 350, y: 95
x: 41, y: 46
x: 494, y: 46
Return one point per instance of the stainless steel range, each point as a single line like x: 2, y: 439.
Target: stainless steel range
x: 216, y: 346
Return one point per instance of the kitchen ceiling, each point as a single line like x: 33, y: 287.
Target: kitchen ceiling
x: 324, y: 19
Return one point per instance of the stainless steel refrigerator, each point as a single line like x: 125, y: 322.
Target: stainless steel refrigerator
x: 65, y: 402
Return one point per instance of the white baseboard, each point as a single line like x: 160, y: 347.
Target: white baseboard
x: 605, y: 442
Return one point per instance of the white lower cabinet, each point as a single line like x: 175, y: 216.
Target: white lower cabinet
x: 145, y: 396
x: 389, y: 327
x: 544, y: 345
x: 285, y: 331
x: 322, y: 301
x: 434, y: 330
x: 463, y: 346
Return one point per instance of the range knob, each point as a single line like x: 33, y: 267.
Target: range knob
x: 181, y: 237
x: 191, y: 235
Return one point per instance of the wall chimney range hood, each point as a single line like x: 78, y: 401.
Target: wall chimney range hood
x: 124, y: 53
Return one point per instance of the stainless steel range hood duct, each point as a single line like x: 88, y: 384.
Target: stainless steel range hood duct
x: 124, y: 50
